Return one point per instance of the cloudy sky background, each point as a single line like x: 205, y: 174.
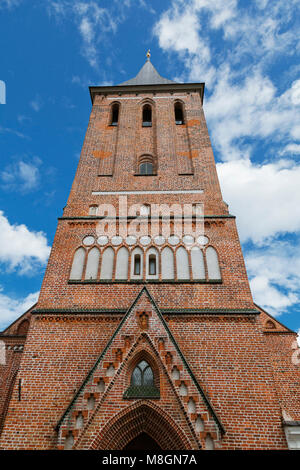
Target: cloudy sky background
x: 246, y: 52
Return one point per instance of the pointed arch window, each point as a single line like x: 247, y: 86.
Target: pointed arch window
x: 142, y: 382
x: 115, y: 114
x: 147, y: 115
x: 178, y: 109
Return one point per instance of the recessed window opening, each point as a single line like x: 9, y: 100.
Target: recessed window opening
x: 115, y: 115
x: 142, y: 382
x: 152, y: 265
x: 137, y: 265
x: 146, y: 168
x: 147, y: 116
x: 178, y: 114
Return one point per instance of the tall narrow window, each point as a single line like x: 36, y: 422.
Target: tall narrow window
x: 91, y: 270
x: 182, y: 261
x: 107, y: 264
x: 167, y: 263
x: 122, y: 263
x: 77, y: 265
x: 178, y: 113
x: 136, y: 270
x: 212, y: 261
x: 137, y: 265
x: 152, y: 265
x: 147, y: 116
x: 115, y: 115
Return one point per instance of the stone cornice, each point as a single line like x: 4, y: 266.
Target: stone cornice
x: 159, y: 88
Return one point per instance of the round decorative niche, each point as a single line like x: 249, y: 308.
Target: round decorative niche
x: 173, y: 240
x: 88, y: 241
x: 202, y: 240
x: 131, y: 240
x: 188, y: 240
x: 115, y: 241
x: 145, y: 240
x: 103, y: 240
x: 159, y: 240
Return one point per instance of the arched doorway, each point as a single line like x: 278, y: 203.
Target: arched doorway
x: 142, y: 442
x: 141, y: 425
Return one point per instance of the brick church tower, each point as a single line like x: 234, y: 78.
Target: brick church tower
x: 145, y: 334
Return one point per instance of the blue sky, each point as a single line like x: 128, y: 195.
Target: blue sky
x: 246, y: 52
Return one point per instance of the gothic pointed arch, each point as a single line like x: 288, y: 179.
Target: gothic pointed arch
x: 142, y: 376
x: 141, y: 417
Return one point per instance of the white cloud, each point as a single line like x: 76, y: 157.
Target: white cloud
x: 265, y: 198
x: 37, y: 103
x: 7, y: 130
x: 20, y: 248
x: 291, y: 149
x: 274, y: 273
x: 93, y: 22
x: 251, y: 109
x: 21, y: 176
x: 12, y: 308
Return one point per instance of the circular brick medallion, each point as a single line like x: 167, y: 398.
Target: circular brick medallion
x: 88, y: 241
x: 202, y: 240
x: 173, y: 240
x: 103, y: 240
x: 188, y: 240
x: 159, y: 240
x: 145, y: 240
x: 131, y: 240
x: 115, y: 241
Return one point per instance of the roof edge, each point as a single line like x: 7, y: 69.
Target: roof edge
x: 94, y: 90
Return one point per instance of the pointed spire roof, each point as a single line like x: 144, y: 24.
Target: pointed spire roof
x: 148, y: 75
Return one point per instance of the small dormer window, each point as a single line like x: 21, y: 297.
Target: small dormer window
x: 147, y: 116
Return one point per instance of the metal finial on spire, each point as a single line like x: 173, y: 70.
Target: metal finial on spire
x: 148, y: 54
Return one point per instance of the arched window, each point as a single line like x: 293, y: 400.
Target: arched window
x: 92, y: 264
x: 212, y: 261
x: 115, y: 114
x: 198, y: 268
x: 142, y: 382
x: 122, y: 263
x: 93, y: 210
x: 152, y: 264
x: 182, y: 261
x: 77, y: 265
x: 137, y: 264
x: 146, y: 165
x: 147, y: 115
x: 146, y: 168
x: 179, y: 119
x: 107, y: 263
x: 167, y: 263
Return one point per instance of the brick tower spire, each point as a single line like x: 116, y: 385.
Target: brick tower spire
x: 145, y: 332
